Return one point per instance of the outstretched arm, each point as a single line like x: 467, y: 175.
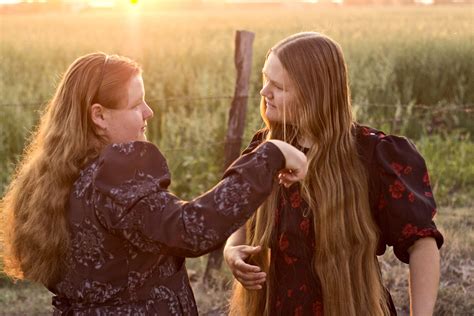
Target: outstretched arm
x: 136, y: 204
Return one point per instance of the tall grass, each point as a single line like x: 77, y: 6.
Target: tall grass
x: 397, y: 59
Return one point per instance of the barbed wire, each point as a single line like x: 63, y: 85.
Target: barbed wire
x: 160, y: 100
x: 428, y: 111
x: 206, y: 145
x: 467, y: 108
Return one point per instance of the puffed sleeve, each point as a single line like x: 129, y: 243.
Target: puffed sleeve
x: 132, y: 199
x: 406, y: 205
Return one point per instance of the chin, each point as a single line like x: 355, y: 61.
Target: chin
x: 274, y: 118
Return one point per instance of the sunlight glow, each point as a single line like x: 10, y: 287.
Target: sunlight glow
x: 10, y: 1
x: 102, y: 3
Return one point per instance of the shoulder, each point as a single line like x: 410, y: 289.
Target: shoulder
x: 122, y: 163
x: 260, y: 135
x: 375, y: 146
x: 257, y: 138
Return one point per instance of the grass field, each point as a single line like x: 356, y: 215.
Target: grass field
x: 398, y: 59
x: 455, y: 297
x: 411, y: 72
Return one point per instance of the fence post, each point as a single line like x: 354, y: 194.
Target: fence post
x: 236, y: 123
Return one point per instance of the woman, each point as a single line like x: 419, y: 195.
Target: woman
x: 88, y: 213
x: 364, y: 191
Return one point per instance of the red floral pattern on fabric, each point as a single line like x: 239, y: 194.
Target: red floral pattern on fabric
x: 289, y: 260
x: 411, y: 197
x: 407, y: 170
x: 397, y: 168
x: 365, y: 131
x: 278, y: 303
x: 304, y: 226
x: 304, y: 288
x: 397, y: 189
x: 299, y: 311
x: 283, y: 242
x: 410, y: 230
x: 295, y: 199
x: 426, y: 179
x: 318, y: 309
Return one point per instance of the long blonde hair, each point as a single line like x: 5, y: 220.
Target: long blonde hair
x: 336, y: 187
x: 35, y: 231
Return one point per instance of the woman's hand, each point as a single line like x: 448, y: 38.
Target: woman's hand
x: 296, y: 164
x: 249, y: 276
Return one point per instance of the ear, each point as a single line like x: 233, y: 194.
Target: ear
x: 98, y: 116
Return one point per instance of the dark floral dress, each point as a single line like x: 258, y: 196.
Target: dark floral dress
x: 401, y: 202
x: 129, y: 234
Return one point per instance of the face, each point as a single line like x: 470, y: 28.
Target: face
x: 128, y: 123
x: 277, y: 90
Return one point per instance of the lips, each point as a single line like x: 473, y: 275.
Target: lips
x: 270, y: 105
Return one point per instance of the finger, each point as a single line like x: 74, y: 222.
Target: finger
x: 246, y: 283
x: 252, y: 282
x: 245, y: 267
x: 293, y: 177
x: 245, y: 276
x: 254, y: 287
x: 250, y: 250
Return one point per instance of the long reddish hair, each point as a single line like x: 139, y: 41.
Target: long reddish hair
x: 35, y: 231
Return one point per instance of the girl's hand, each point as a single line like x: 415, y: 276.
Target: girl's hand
x: 287, y: 177
x: 249, y: 276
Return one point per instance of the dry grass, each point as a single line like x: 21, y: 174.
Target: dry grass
x: 455, y: 296
x: 456, y: 290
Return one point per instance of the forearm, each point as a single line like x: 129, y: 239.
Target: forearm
x: 424, y: 276
x: 238, y: 237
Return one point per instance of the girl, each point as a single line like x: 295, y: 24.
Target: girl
x: 88, y: 213
x: 311, y: 248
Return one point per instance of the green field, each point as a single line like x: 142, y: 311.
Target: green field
x: 411, y: 73
x: 398, y: 59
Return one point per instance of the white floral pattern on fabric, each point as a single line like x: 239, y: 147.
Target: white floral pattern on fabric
x: 88, y: 246
x: 84, y: 182
x: 232, y: 196
x: 129, y: 235
x: 197, y: 235
x: 163, y: 293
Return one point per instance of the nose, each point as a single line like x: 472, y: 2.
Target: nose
x: 265, y: 92
x: 148, y: 112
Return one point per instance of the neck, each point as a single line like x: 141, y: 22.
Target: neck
x: 305, y: 141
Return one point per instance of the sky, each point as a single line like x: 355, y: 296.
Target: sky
x: 112, y: 3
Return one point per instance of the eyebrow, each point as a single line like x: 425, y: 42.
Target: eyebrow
x: 272, y: 81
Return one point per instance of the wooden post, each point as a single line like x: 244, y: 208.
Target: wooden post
x: 235, y: 125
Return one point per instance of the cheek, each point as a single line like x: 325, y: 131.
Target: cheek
x: 127, y: 124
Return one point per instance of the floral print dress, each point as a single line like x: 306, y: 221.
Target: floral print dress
x: 401, y: 202
x: 129, y: 235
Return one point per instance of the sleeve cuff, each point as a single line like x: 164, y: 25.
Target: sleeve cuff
x: 276, y: 159
x: 401, y: 249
